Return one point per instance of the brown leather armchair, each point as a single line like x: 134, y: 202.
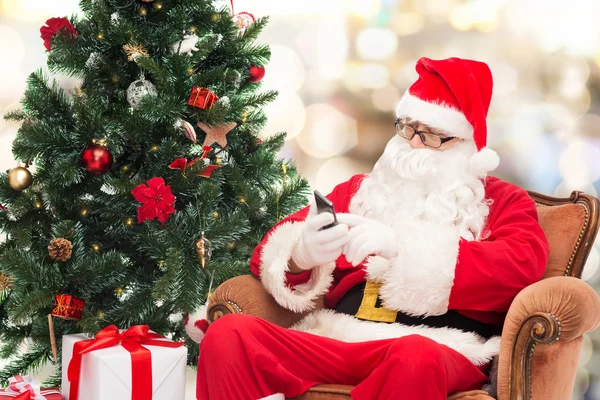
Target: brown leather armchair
x: 542, y: 334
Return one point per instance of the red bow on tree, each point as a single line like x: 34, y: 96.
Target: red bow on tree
x: 157, y: 200
x: 132, y: 340
x: 183, y: 164
x: 52, y: 27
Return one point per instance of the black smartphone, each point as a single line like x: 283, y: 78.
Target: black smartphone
x: 325, y: 205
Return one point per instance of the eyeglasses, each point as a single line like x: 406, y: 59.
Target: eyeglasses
x: 429, y: 139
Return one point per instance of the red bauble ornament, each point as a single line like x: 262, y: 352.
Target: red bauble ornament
x: 256, y: 73
x: 97, y: 159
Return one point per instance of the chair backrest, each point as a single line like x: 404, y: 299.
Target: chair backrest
x: 571, y: 226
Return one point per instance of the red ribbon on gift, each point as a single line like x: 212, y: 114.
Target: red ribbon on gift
x: 26, y: 388
x: 132, y: 340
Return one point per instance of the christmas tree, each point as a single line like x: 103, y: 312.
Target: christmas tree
x: 150, y: 179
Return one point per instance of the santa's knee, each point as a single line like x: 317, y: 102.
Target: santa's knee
x: 417, y: 356
x: 225, y: 337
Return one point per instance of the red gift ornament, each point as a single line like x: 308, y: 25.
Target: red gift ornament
x: 157, y: 200
x: 132, y: 340
x: 202, y: 98
x: 52, y: 27
x: 26, y: 388
x: 67, y: 307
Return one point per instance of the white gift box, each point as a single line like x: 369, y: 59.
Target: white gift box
x: 106, y: 373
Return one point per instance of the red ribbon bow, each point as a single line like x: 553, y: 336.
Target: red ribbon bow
x: 182, y: 164
x: 141, y: 358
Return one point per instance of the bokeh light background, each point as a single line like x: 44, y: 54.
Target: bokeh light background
x: 341, y: 67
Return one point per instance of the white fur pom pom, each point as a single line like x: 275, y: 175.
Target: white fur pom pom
x: 484, y: 161
x: 196, y: 324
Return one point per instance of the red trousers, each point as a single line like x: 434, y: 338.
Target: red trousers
x: 244, y: 357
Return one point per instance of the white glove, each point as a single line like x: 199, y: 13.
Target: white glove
x: 368, y: 236
x: 319, y: 247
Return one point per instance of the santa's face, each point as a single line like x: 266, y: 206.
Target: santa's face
x: 410, y: 184
x: 421, y: 136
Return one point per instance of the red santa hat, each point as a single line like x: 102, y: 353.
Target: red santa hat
x: 453, y: 95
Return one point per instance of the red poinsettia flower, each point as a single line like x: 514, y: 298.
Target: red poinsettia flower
x: 52, y: 27
x: 157, y: 200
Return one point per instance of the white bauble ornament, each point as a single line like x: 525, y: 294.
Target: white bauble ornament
x: 196, y: 324
x: 138, y: 90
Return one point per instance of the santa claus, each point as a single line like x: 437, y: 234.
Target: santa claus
x: 428, y: 253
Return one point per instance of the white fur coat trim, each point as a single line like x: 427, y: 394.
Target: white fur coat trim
x: 420, y: 278
x: 345, y: 327
x: 439, y: 116
x: 376, y: 268
x: 275, y: 256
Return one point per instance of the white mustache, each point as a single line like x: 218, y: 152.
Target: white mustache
x: 416, y: 164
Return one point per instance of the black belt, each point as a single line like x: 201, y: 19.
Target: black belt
x: 350, y: 303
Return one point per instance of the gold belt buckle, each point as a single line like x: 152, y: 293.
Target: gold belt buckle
x: 367, y: 309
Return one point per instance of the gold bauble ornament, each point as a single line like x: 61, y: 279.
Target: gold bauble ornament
x: 203, y: 250
x: 125, y: 168
x: 19, y: 178
x: 96, y: 247
x: 216, y: 215
x: 232, y: 245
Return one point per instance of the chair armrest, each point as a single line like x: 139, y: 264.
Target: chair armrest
x: 558, y: 309
x: 246, y: 295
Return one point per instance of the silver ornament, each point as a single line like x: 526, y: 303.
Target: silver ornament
x: 138, y: 90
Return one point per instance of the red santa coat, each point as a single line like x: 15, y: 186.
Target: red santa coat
x: 479, y: 279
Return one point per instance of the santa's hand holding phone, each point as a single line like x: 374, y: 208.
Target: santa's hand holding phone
x: 367, y: 236
x: 319, y: 246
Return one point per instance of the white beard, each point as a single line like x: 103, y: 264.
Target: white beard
x: 409, y: 186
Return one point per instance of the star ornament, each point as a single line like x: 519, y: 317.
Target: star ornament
x: 216, y: 134
x: 157, y: 200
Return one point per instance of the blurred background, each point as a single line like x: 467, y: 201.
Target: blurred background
x: 341, y: 67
